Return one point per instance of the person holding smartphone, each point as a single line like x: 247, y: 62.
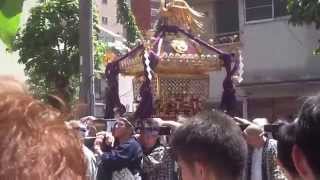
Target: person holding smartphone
x: 157, y: 162
x: 124, y: 155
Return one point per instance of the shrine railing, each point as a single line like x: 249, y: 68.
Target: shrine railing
x: 227, y: 38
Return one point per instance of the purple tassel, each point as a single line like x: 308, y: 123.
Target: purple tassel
x: 228, y: 100
x: 112, y: 99
x: 146, y: 107
x: 154, y: 58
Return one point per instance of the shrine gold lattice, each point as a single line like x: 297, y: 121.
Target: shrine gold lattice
x: 176, y: 94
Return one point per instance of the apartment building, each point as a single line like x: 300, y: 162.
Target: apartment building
x: 280, y: 69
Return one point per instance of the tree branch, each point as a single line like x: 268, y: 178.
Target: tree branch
x: 59, y: 50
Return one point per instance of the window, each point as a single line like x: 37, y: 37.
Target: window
x: 104, y: 1
x: 280, y: 8
x: 227, y: 16
x: 264, y: 9
x: 104, y: 20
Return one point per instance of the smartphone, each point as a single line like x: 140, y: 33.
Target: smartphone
x: 165, y: 130
x: 273, y: 128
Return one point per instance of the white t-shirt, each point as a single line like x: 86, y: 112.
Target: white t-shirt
x: 90, y: 162
x: 256, y: 166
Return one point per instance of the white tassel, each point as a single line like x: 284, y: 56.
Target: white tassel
x: 147, y: 63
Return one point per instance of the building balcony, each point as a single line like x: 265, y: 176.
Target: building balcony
x: 227, y: 38
x: 221, y: 22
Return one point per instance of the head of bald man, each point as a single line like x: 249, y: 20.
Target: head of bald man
x: 254, y: 136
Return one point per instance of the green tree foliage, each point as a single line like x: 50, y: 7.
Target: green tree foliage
x: 49, y: 49
x: 127, y: 19
x: 10, y: 12
x: 305, y: 12
x: 100, y: 50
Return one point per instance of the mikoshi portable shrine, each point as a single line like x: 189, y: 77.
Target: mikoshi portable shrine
x: 171, y: 68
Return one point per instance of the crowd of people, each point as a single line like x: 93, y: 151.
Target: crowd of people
x: 38, y: 142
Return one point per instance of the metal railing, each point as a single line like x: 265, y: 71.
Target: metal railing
x: 227, y: 38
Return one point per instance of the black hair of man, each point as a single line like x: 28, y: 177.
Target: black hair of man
x: 213, y: 138
x: 286, y: 140
x: 308, y: 132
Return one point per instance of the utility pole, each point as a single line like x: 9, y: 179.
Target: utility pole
x: 86, y: 57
